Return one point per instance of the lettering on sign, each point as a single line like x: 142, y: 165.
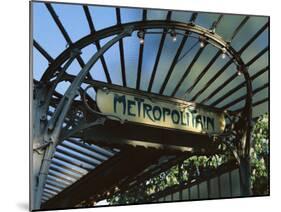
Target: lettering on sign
x: 161, y: 113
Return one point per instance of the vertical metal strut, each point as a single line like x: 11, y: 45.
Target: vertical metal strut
x: 53, y: 129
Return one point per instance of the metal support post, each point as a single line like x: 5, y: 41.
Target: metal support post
x: 245, y: 168
x: 39, y: 123
x: 55, y: 124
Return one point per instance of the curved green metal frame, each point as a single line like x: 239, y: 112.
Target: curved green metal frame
x: 54, y: 126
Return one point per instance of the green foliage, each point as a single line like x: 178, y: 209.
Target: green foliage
x: 190, y: 169
x: 260, y: 156
x: 194, y: 166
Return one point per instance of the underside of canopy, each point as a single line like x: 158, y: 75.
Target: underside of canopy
x: 182, y: 56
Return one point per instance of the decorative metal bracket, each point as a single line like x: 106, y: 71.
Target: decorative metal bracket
x: 40, y: 147
x: 54, y: 127
x: 98, y: 121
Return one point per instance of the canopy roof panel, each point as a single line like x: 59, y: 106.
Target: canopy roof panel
x: 180, y: 68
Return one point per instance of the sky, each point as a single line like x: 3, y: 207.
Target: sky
x: 47, y: 34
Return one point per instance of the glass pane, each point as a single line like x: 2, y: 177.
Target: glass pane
x: 260, y: 81
x: 227, y: 25
x: 206, y: 19
x: 151, y: 46
x: 156, y: 14
x: 98, y: 13
x: 259, y: 64
x: 72, y: 18
x: 168, y: 53
x: 46, y: 32
x: 88, y: 52
x: 225, y: 185
x: 260, y: 109
x: 112, y: 59
x: 260, y: 43
x: 131, y: 54
x: 185, y: 194
x: 203, y: 190
x: 130, y: 15
x: 247, y: 31
x: 169, y: 198
x: 181, y: 16
x: 196, y: 69
x: 176, y: 196
x: 74, y: 68
x: 235, y: 182
x: 214, y: 188
x: 215, y: 68
x: 194, y: 192
x: 40, y: 64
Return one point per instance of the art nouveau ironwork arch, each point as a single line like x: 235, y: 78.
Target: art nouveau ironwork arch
x: 56, y: 72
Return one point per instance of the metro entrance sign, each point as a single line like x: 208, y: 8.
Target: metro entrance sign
x: 160, y: 112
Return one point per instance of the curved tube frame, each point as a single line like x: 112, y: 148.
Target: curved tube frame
x: 54, y: 126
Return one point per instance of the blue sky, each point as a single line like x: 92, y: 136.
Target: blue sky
x: 47, y: 34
